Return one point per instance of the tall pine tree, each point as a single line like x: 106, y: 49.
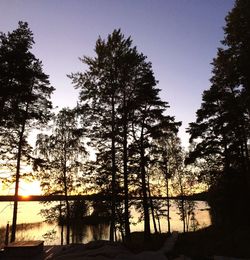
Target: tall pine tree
x: 122, y: 109
x: 221, y: 130
x: 25, y: 97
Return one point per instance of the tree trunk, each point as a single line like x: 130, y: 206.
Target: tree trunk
x: 125, y: 169
x: 144, y: 189
x: 152, y: 207
x: 121, y: 227
x: 183, y: 214
x: 18, y: 164
x: 113, y: 199
x: 159, y: 222
x: 61, y: 223
x: 67, y: 209
x: 66, y: 195
x: 168, y: 206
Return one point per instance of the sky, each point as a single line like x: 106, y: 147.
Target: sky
x: 179, y: 37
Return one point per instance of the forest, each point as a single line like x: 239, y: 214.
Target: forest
x: 120, y: 142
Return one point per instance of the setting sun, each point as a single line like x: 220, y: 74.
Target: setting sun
x: 29, y: 188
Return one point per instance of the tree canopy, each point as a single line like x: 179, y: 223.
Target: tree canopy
x: 222, y: 124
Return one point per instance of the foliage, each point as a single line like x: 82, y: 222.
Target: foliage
x: 221, y: 130
x: 61, y: 152
x: 222, y: 123
x: 60, y: 158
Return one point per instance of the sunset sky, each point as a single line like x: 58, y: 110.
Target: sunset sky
x: 179, y: 37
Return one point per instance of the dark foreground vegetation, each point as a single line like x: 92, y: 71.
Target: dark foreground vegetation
x: 137, y: 243
x: 202, y: 244
x: 122, y: 119
x: 208, y: 242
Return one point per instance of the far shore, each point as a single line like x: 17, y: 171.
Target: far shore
x: 97, y: 197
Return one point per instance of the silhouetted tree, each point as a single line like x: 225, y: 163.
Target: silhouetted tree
x: 100, y: 87
x: 221, y: 130
x: 222, y: 122
x: 168, y: 158
x: 122, y: 110
x: 149, y: 125
x: 24, y: 98
x: 60, y: 158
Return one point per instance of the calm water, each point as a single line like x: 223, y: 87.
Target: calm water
x: 29, y: 213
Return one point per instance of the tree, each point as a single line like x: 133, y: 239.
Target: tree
x: 149, y: 125
x: 24, y: 99
x: 105, y: 90
x: 60, y: 158
x: 168, y: 154
x: 237, y: 41
x: 221, y: 130
x: 222, y: 122
x: 99, y: 94
x: 122, y: 110
x: 171, y: 164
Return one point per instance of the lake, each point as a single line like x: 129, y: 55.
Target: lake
x: 37, y: 229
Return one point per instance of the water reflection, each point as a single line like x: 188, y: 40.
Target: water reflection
x: 99, y: 231
x: 52, y: 233
x: 80, y: 234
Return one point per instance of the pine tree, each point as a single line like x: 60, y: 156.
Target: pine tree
x: 122, y: 110
x: 221, y: 130
x: 222, y: 122
x: 106, y: 90
x: 24, y: 100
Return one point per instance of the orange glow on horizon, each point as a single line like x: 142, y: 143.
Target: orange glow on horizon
x: 25, y: 196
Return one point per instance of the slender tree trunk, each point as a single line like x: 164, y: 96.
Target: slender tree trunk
x: 66, y: 196
x: 168, y: 206
x: 187, y: 221
x: 115, y: 235
x: 183, y: 213
x: 113, y: 199
x: 144, y: 189
x: 121, y: 226
x: 18, y: 164
x: 152, y: 207
x: 159, y: 222
x: 67, y: 209
x: 61, y: 223
x: 125, y: 169
x: 68, y: 222
x: 183, y: 216
x: 183, y: 210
